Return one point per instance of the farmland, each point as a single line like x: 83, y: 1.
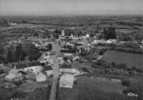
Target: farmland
x: 129, y: 59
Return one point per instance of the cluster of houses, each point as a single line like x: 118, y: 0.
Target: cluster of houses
x: 72, y: 48
x: 39, y: 74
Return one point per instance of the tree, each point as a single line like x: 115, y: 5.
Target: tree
x: 126, y: 82
x: 4, y: 22
x: 49, y: 47
x: 30, y: 51
x: 122, y: 66
x: 109, y: 33
x: 138, y: 36
x: 19, y: 53
x: 9, y: 56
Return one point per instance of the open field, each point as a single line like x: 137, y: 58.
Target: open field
x: 129, y: 59
x: 94, y: 88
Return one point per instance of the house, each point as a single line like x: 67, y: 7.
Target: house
x: 96, y: 42
x: 131, y: 94
x: 46, y: 58
x: 14, y: 74
x: 68, y: 54
x: 40, y: 77
x: 142, y: 42
x: 111, y: 41
x: 13, y: 24
x: 49, y: 73
x: 66, y: 81
x: 72, y: 71
x: 34, y: 69
x: 60, y: 60
x: 76, y: 58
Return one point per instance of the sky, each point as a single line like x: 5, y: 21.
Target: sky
x: 70, y: 7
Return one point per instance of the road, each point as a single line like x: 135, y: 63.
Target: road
x: 55, y: 67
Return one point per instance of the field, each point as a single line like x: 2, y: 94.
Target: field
x: 129, y: 59
x: 99, y: 88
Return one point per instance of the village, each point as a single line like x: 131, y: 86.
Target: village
x: 62, y: 64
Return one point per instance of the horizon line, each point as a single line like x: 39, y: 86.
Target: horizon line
x: 68, y: 15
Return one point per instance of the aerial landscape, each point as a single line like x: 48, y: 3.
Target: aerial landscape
x: 70, y: 57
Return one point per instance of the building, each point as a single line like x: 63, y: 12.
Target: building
x: 34, y: 69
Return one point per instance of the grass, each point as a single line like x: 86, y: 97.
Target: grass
x: 129, y: 59
x: 93, y: 89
